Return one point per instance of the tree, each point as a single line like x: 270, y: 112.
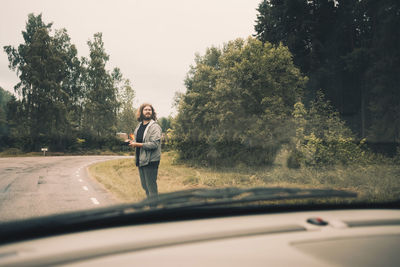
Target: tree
x: 165, y: 123
x: 30, y: 59
x: 62, y: 98
x: 238, y: 103
x: 127, y: 113
x: 5, y: 97
x: 101, y: 105
x: 348, y: 48
x: 382, y: 77
x: 194, y: 121
x: 72, y: 83
x: 289, y: 22
x: 18, y: 132
x: 47, y: 67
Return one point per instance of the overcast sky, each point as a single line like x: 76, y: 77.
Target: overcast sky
x: 152, y: 42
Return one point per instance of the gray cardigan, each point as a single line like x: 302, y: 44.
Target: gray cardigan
x: 151, y: 150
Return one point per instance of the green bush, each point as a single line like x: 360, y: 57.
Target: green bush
x: 322, y: 138
x: 11, y: 152
x: 294, y: 159
x: 238, y: 104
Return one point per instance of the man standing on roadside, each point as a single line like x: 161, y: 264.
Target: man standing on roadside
x: 148, y: 148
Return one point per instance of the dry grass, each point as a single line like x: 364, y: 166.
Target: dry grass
x: 121, y: 177
x: 373, y: 182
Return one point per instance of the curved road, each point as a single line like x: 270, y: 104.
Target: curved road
x: 37, y: 186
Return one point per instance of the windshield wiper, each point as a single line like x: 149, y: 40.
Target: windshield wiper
x: 232, y: 195
x: 192, y: 203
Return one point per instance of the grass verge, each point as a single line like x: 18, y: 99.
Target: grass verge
x: 380, y: 182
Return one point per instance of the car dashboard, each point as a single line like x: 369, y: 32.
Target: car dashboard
x: 355, y: 237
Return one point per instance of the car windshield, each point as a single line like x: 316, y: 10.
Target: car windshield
x: 165, y: 104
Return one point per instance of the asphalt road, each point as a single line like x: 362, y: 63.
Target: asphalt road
x: 37, y: 186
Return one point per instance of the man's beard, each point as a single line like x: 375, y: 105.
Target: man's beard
x: 147, y: 117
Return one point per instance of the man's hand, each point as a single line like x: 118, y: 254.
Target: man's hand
x: 134, y: 144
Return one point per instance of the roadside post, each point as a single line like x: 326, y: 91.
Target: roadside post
x: 44, y: 149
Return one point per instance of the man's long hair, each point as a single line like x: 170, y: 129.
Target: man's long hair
x: 139, y: 113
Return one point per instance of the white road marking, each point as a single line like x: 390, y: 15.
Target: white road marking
x: 85, y: 188
x: 80, y: 180
x: 94, y: 200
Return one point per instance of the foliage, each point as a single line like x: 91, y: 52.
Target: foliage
x: 238, y: 104
x: 350, y: 49
x: 322, y: 138
x: 61, y: 97
x: 165, y: 123
x: 45, y: 64
x: 382, y: 77
x: 101, y: 105
x: 5, y: 97
x: 127, y: 113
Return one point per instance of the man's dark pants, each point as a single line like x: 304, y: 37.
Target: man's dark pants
x: 148, y: 178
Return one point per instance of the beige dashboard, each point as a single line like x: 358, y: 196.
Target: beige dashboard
x: 349, y: 238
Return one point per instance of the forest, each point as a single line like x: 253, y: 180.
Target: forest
x: 64, y: 102
x: 319, y: 78
x: 349, y: 49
